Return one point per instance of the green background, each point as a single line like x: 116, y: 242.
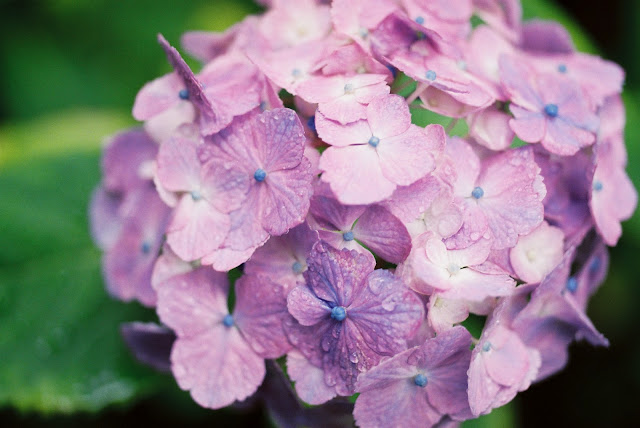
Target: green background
x: 69, y: 71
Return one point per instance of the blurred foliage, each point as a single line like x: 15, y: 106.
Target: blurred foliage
x: 69, y: 71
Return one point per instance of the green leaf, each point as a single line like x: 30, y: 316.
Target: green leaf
x: 59, y: 338
x: 48, y: 168
x: 504, y: 416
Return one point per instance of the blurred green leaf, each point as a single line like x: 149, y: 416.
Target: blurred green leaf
x: 59, y: 340
x: 57, y: 54
x: 502, y: 417
x: 48, y: 168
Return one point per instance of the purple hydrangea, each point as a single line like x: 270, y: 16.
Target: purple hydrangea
x: 363, y: 236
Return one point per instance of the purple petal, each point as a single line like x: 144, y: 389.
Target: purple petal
x: 123, y: 158
x: 332, y: 215
x: 336, y: 275
x: 128, y: 264
x: 284, y: 258
x: 150, y: 343
x: 390, y: 395
x: 546, y: 37
x: 383, y: 234
x: 305, y: 306
x: 386, y: 312
x: 104, y: 218
x: 194, y: 87
x: 261, y: 306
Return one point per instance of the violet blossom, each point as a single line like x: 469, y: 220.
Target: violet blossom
x: 363, y: 236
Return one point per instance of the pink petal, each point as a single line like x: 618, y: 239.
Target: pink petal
x: 158, y: 96
x: 178, y: 166
x: 217, y: 366
x: 345, y: 109
x: 287, y: 198
x: 203, y: 292
x: 529, y: 126
x: 196, y: 228
x: 309, y: 379
x: 507, y: 360
x: 388, y: 116
x: 513, y: 194
x: 354, y: 174
x: 336, y: 134
x: 411, y: 155
x: 490, y: 127
x: 224, y: 259
x: 536, y: 254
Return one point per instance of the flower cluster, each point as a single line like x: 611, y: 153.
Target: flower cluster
x: 360, y: 241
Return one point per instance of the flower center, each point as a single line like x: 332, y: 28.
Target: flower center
x: 338, y: 313
x: 183, y: 94
x: 227, y: 320
x: 145, y: 247
x: 260, y: 174
x: 572, y: 284
x: 551, y: 110
x: 597, y: 185
x: 420, y: 380
x: 348, y: 236
x: 297, y: 267
x: 477, y: 192
x: 374, y: 141
x: 195, y: 195
x: 430, y: 75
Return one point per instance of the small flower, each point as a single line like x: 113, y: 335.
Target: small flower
x: 419, y: 386
x: 352, y: 315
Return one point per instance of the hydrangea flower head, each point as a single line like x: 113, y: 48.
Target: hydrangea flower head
x: 301, y: 160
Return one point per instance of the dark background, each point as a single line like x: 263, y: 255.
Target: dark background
x: 66, y: 54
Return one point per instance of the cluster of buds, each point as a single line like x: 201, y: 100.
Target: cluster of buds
x: 283, y: 202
